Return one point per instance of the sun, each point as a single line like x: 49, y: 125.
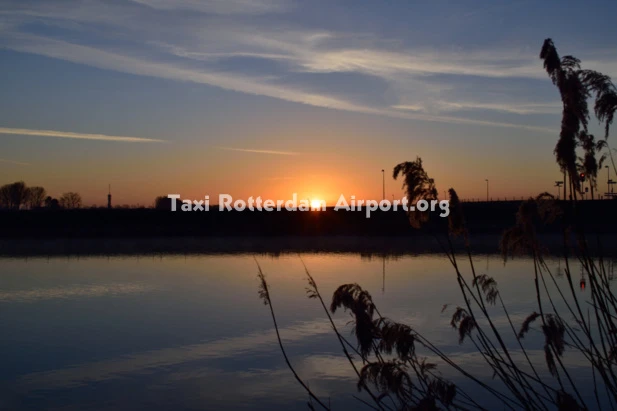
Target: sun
x: 317, y: 204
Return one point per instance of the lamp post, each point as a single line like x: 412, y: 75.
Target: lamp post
x: 486, y: 190
x: 383, y: 178
x: 558, y: 185
x: 608, y: 178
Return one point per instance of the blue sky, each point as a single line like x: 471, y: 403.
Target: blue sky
x: 316, y: 88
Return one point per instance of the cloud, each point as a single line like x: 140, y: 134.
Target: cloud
x: 83, y: 136
x: 246, y: 150
x: 409, y: 107
x: 515, y: 108
x: 251, y: 85
x: 419, y: 83
x: 528, y: 108
x: 19, y: 163
x: 221, y: 6
x: 388, y: 63
x: 128, y: 64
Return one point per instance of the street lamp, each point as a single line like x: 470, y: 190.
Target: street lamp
x: 608, y: 178
x: 486, y: 190
x: 383, y: 178
x: 558, y: 185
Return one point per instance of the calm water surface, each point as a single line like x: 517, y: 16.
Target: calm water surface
x: 189, y: 332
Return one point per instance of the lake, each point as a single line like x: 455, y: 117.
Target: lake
x: 188, y: 332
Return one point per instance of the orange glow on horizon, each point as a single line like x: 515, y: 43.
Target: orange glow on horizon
x: 317, y: 204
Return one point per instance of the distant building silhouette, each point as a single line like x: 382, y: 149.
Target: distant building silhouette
x: 109, y: 198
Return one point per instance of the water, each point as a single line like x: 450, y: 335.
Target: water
x: 190, y: 333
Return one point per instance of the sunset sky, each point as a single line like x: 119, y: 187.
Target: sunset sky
x: 271, y: 97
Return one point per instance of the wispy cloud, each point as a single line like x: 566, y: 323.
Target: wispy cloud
x: 114, y: 61
x: 415, y: 79
x: 19, y: 163
x: 388, y: 63
x: 82, y: 136
x: 409, y: 107
x: 248, y: 150
x: 250, y: 85
x: 221, y: 6
x: 515, y: 108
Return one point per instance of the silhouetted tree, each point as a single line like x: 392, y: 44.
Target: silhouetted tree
x: 36, y: 196
x: 162, y: 203
x: 13, y: 195
x: 70, y: 200
x: 4, y: 196
x: 51, y: 202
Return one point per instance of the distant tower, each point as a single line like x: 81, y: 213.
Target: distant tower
x: 109, y: 198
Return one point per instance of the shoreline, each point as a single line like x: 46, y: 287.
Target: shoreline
x: 597, y: 217
x: 378, y: 246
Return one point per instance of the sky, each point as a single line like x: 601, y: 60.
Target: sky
x: 273, y: 97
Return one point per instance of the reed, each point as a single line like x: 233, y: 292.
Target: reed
x: 388, y: 356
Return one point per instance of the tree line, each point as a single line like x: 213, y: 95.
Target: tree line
x: 18, y: 195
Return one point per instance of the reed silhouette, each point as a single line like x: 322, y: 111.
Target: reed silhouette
x: 589, y: 164
x: 386, y: 355
x: 575, y: 86
x: 388, y: 359
x: 418, y: 186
